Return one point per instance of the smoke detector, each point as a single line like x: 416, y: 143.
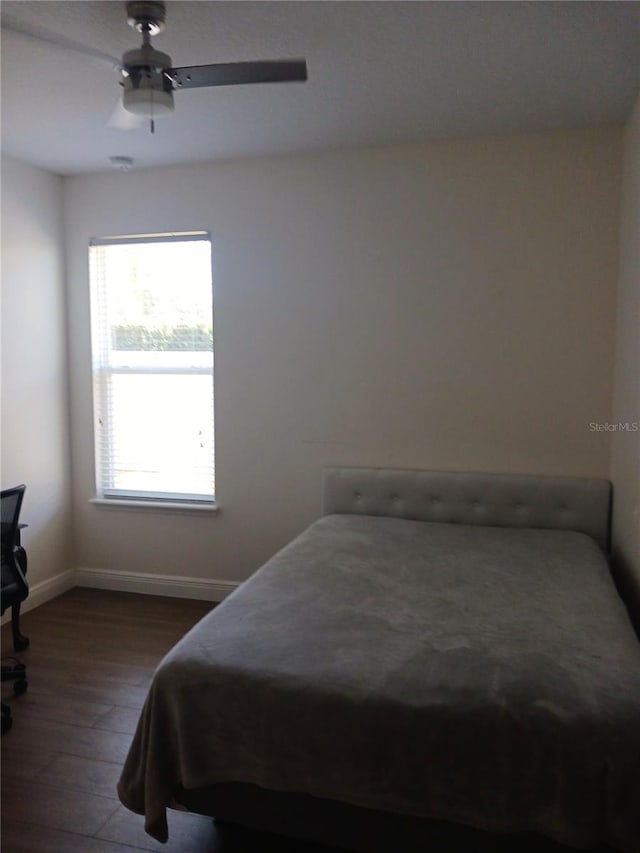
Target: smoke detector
x: 122, y: 164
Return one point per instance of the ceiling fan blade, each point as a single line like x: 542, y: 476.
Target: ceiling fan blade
x: 238, y: 73
x: 122, y: 119
x: 34, y: 31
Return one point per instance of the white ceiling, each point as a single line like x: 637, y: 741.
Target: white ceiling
x: 379, y: 73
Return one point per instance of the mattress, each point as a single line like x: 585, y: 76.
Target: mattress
x: 483, y: 675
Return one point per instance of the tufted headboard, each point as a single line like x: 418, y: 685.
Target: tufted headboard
x: 494, y: 500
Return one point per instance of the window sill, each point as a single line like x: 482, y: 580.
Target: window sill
x: 178, y: 507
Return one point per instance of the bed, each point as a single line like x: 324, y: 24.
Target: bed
x: 439, y: 652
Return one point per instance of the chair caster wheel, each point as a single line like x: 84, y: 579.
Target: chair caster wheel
x: 19, y: 687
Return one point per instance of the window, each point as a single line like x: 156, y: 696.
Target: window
x: 152, y: 346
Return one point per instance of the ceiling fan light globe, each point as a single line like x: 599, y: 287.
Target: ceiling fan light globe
x: 148, y: 103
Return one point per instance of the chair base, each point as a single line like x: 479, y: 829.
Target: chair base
x: 16, y: 672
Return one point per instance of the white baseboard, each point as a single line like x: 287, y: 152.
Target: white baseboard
x: 175, y: 586
x: 45, y: 591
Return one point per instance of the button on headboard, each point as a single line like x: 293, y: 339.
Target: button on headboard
x: 495, y: 500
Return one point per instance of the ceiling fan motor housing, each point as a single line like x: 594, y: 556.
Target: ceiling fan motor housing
x: 148, y: 90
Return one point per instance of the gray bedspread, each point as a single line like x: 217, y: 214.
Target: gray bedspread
x: 480, y: 675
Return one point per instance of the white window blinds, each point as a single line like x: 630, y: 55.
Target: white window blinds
x: 152, y: 345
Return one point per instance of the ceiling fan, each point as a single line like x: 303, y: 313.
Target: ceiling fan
x: 148, y: 77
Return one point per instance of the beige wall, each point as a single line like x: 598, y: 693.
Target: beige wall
x: 35, y: 423
x: 449, y: 305
x: 625, y: 456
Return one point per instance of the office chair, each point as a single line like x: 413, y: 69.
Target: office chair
x: 14, y: 589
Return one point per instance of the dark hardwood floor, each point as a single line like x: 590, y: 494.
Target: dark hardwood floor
x: 89, y: 664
